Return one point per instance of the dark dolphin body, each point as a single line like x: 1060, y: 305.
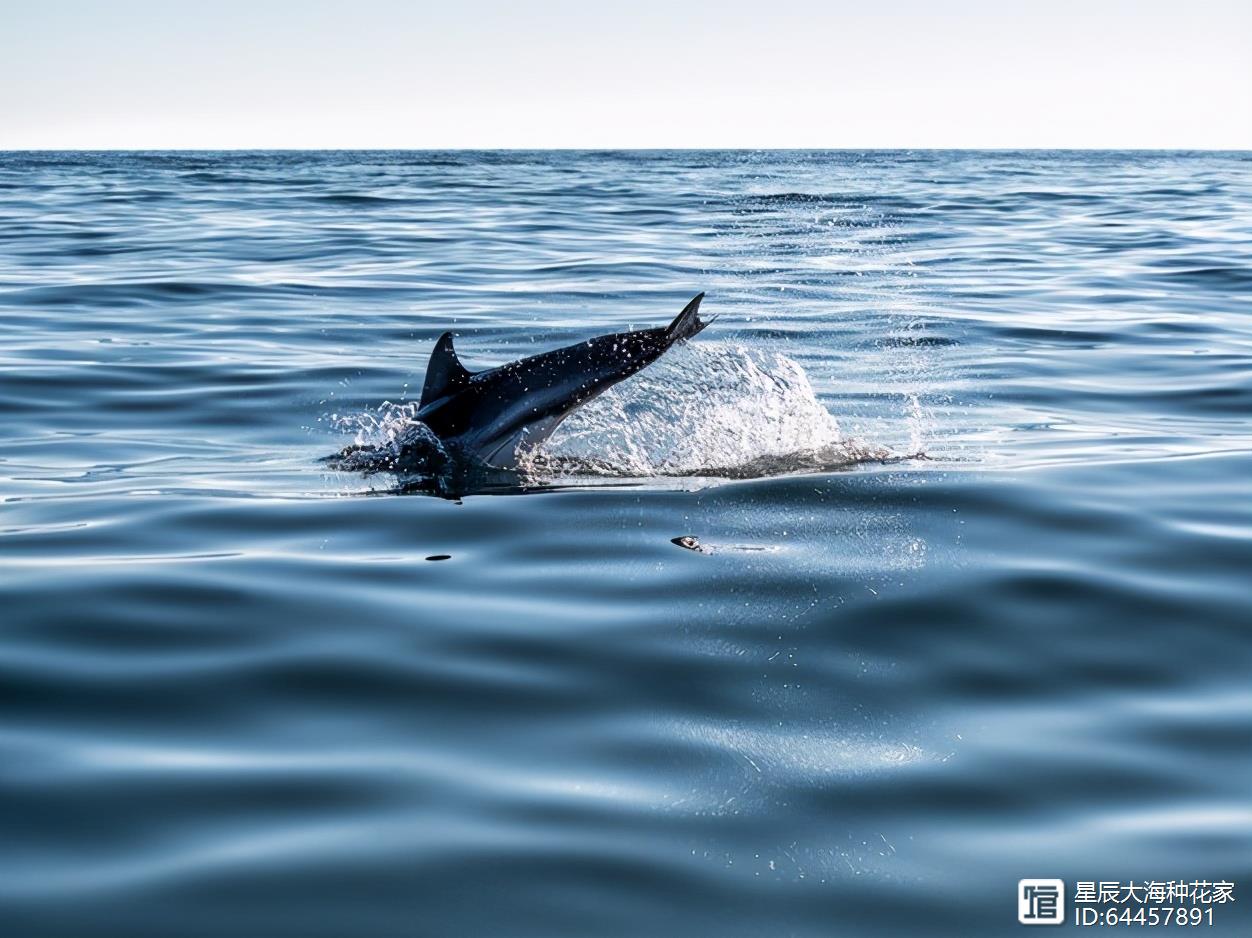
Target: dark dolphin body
x: 494, y: 416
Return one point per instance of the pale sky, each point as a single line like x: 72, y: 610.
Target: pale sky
x: 221, y: 74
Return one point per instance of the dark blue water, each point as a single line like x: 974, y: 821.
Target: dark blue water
x: 970, y: 445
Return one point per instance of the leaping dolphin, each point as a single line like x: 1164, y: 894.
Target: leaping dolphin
x: 497, y: 415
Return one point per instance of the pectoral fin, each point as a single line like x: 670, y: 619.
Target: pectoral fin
x: 503, y: 452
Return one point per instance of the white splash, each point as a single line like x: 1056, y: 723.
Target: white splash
x: 385, y: 439
x: 706, y: 409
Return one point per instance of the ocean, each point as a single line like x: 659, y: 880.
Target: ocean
x: 968, y: 451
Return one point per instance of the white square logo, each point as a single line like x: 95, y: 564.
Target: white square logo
x: 1041, y: 901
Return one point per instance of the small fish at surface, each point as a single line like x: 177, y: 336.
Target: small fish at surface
x: 688, y: 541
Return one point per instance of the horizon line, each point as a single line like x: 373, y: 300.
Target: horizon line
x: 608, y: 149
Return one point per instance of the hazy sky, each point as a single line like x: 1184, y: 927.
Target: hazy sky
x: 798, y: 73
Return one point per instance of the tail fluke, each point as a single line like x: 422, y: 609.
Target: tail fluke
x: 688, y: 322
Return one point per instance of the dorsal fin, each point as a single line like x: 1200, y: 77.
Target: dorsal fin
x: 445, y: 374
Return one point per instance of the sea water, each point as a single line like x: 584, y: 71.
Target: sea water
x: 968, y: 452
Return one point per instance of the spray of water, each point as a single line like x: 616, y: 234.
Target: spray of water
x: 706, y: 409
x: 389, y: 438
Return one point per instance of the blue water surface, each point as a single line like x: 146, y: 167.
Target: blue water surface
x: 1011, y: 637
